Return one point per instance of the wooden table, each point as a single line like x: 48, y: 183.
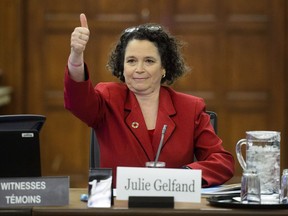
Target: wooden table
x: 76, y: 207
x: 23, y: 211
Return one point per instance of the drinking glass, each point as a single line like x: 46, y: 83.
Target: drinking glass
x: 284, y: 187
x: 250, y: 187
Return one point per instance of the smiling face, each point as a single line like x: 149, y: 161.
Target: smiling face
x: 143, y: 70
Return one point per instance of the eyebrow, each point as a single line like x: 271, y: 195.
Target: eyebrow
x: 146, y: 57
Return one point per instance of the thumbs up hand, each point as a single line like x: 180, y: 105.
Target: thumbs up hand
x: 80, y: 36
x: 79, y: 39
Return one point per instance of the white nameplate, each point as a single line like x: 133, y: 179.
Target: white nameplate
x: 183, y: 184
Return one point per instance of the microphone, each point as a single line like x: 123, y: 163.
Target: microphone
x: 160, y: 144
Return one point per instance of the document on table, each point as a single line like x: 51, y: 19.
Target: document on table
x: 222, y: 190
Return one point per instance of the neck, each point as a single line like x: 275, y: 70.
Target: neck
x: 149, y: 98
x: 149, y: 107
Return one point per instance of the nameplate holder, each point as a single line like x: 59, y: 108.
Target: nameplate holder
x: 184, y: 185
x: 150, y: 202
x: 34, y: 191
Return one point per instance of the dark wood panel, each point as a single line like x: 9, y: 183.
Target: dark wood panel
x: 98, y: 50
x: 245, y: 33
x: 55, y: 42
x: 235, y: 48
x: 284, y: 147
x: 200, y: 51
x: 196, y: 8
x: 247, y: 7
x: 65, y: 147
x: 247, y: 62
x: 11, y: 54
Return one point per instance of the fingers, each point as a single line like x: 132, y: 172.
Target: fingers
x: 83, y: 20
x: 81, y: 34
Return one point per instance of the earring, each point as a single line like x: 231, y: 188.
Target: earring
x: 164, y: 74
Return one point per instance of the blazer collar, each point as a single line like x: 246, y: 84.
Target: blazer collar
x: 135, y: 121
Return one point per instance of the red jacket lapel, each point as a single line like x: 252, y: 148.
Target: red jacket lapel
x: 136, y: 123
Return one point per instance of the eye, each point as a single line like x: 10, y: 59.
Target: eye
x: 130, y: 61
x: 150, y: 61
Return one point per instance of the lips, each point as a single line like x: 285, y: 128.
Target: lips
x: 140, y: 78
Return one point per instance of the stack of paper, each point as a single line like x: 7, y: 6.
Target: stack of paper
x: 222, y: 190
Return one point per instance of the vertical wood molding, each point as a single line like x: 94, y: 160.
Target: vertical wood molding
x: 284, y: 160
x: 34, y: 76
x: 11, y: 53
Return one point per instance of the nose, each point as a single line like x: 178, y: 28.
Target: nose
x: 140, y: 68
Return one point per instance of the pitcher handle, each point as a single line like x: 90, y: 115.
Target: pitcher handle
x: 239, y: 152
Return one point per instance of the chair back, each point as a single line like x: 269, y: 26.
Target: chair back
x: 213, y: 119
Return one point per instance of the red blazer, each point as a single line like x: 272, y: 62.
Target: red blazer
x: 113, y: 111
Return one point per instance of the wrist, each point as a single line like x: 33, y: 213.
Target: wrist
x: 74, y: 64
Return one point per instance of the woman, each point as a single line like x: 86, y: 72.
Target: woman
x: 128, y: 117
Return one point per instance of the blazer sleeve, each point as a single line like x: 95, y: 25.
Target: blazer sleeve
x: 82, y: 99
x: 216, y: 163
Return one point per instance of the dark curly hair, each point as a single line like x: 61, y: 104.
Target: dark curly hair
x: 168, y: 47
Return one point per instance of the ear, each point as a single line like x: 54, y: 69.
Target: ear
x: 163, y: 73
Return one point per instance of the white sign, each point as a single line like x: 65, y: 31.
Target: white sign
x: 183, y: 184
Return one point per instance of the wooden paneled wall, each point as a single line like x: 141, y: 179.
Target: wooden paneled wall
x: 12, y: 53
x: 237, y: 51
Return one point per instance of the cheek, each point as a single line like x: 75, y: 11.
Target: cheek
x: 126, y: 75
x: 158, y: 74
x: 127, y: 71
